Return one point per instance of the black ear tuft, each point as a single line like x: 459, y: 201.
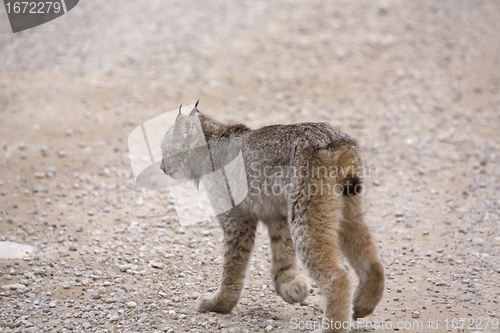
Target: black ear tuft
x: 195, y: 111
x: 180, y: 106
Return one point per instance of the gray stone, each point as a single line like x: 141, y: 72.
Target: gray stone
x: 158, y: 265
x: 131, y: 304
x: 11, y: 250
x: 124, y: 267
x: 16, y: 286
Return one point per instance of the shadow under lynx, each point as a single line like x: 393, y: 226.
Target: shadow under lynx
x: 305, y: 182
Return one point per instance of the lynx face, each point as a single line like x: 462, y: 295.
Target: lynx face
x: 175, y: 148
x: 183, y: 154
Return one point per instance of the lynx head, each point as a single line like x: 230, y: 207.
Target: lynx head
x: 178, y: 143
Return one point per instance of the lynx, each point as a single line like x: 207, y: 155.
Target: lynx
x: 303, y: 187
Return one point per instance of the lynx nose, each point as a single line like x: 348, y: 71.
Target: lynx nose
x: 163, y: 167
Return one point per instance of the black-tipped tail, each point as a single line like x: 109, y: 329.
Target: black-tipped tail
x: 352, y: 186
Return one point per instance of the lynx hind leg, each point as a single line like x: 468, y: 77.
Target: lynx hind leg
x: 239, y: 236
x: 291, y: 286
x: 314, y: 226
x: 360, y: 251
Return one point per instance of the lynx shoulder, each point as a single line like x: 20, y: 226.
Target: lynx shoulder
x: 305, y: 184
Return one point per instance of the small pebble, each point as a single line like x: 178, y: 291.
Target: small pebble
x: 158, y: 265
x: 61, y: 153
x: 125, y: 267
x: 131, y: 304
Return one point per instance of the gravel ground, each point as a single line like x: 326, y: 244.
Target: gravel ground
x: 416, y: 83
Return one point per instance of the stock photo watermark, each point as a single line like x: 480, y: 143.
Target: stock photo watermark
x: 25, y: 15
x: 267, y: 180
x: 431, y: 324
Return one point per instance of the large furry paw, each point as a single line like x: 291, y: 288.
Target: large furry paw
x: 294, y: 291
x: 204, y: 303
x: 209, y: 303
x: 369, y: 293
x: 363, y: 306
x: 361, y: 311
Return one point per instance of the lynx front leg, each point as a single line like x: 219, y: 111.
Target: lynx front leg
x: 239, y: 234
x: 359, y: 249
x: 291, y: 286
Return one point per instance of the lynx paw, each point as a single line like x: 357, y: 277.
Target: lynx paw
x: 362, y: 308
x: 360, y: 313
x: 294, y: 291
x: 204, y: 303
x: 209, y: 303
x: 369, y: 293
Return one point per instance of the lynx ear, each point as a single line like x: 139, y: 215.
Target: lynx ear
x: 195, y: 111
x: 185, y: 127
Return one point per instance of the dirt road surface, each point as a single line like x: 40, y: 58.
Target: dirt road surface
x: 416, y: 83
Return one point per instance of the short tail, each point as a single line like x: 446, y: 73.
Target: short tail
x: 350, y: 171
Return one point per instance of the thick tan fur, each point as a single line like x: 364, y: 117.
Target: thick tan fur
x: 311, y: 218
